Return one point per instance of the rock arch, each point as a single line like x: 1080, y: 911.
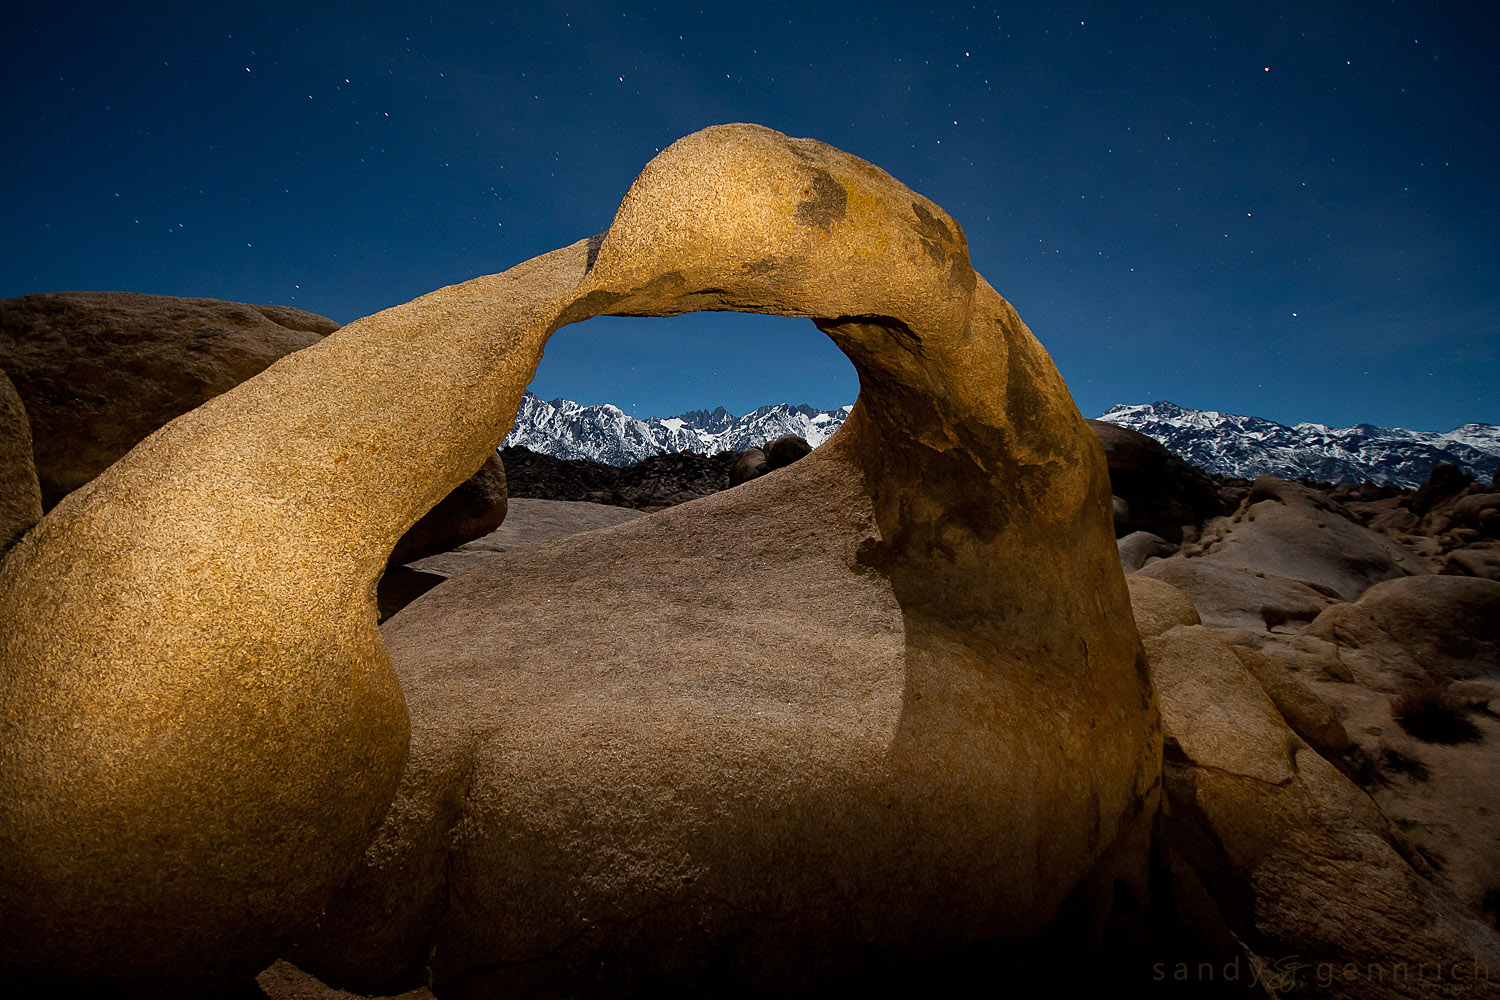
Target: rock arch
x: 203, y: 728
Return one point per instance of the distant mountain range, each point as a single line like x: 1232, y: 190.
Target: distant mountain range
x: 604, y: 433
x: 1221, y: 443
x: 1231, y: 445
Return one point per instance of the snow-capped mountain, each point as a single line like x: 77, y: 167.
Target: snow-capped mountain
x: 604, y: 433
x: 1233, y: 445
x: 1224, y: 443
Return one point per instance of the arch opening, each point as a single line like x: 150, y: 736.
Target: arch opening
x: 666, y: 366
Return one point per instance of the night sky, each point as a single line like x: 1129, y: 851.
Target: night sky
x: 1281, y: 209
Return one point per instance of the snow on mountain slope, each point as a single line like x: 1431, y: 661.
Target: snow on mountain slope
x: 1224, y: 443
x: 604, y: 433
x: 1233, y: 445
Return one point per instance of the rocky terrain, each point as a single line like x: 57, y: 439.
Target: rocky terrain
x: 652, y: 483
x: 870, y: 718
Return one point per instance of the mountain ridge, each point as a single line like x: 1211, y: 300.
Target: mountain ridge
x: 1230, y: 444
x: 605, y: 433
x: 1220, y: 443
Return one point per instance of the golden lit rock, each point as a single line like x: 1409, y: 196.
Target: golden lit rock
x: 938, y: 730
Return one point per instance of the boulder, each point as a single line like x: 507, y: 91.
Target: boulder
x: 99, y: 371
x: 1391, y: 519
x: 1296, y: 533
x: 1156, y: 490
x: 1444, y: 482
x: 1309, y: 716
x: 1213, y: 711
x: 1417, y: 628
x: 1159, y: 607
x: 1138, y: 547
x: 785, y: 450
x: 1233, y: 597
x: 751, y: 463
x: 1472, y: 562
x: 1479, y: 512
x: 1302, y: 867
x: 869, y: 714
x: 20, y: 497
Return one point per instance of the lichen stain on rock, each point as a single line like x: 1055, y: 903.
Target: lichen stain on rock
x: 827, y: 202
x: 935, y: 236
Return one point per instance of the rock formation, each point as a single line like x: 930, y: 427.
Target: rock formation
x: 1363, y: 848
x: 751, y: 464
x: 101, y: 370
x: 203, y: 728
x: 20, y: 496
x: 880, y: 706
x: 1272, y: 853
x: 1287, y: 553
x: 1154, y: 490
x: 1450, y: 516
x: 785, y: 450
x: 1140, y: 547
x: 98, y: 371
x: 1417, y: 627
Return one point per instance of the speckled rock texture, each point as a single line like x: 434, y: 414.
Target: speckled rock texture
x: 98, y: 371
x: 20, y: 497
x: 866, y: 712
x: 101, y: 370
x: 879, y: 706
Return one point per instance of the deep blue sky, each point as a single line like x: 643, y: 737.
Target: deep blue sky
x: 1283, y: 209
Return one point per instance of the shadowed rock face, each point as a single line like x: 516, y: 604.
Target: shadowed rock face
x: 101, y: 370
x: 203, y: 727
x: 1154, y: 489
x: 474, y: 509
x: 20, y: 497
